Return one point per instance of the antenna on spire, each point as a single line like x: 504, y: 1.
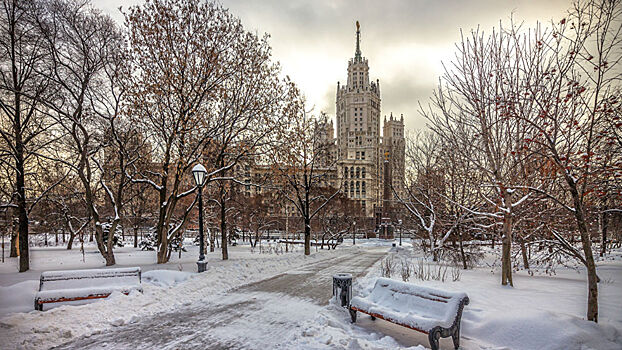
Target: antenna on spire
x: 357, y: 54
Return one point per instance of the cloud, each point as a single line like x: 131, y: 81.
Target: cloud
x: 405, y: 41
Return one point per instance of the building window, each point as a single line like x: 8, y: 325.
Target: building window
x: 358, y: 172
x: 352, y: 172
x: 345, y: 173
x: 362, y: 155
x: 351, y: 188
x: 363, y: 173
x: 363, y: 189
x: 358, y: 189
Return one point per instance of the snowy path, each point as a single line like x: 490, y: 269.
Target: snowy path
x: 264, y: 314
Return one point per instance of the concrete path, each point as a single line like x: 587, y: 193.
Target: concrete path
x: 257, y: 316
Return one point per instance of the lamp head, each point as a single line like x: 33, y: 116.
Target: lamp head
x: 199, y: 172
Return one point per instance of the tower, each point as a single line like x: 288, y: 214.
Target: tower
x: 366, y: 158
x: 358, y: 132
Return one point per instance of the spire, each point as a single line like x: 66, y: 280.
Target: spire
x: 357, y: 54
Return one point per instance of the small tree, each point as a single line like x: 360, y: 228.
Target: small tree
x: 302, y: 165
x: 572, y: 75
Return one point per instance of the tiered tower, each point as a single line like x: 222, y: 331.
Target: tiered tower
x: 361, y: 148
x: 358, y: 132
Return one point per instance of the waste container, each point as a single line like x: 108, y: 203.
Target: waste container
x: 342, y: 288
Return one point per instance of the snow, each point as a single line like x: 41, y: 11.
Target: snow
x: 540, y: 312
x: 165, y: 278
x: 412, y: 305
x: 36, y: 330
x: 18, y: 297
x: 330, y: 330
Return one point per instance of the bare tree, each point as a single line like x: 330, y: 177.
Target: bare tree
x: 87, y: 63
x: 467, y: 110
x: 24, y: 83
x: 206, y: 91
x: 301, y: 163
x: 572, y: 73
x: 338, y: 219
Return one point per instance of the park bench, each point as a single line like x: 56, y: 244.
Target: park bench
x: 434, y: 312
x: 68, y: 286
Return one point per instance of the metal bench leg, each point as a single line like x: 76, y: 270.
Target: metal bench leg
x: 456, y: 337
x: 433, y: 337
x: 352, y: 315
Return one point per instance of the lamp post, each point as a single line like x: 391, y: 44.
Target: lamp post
x: 199, y: 172
x: 399, y: 224
x: 354, y: 233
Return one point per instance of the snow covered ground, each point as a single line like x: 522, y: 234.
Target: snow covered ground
x: 20, y: 327
x: 540, y: 312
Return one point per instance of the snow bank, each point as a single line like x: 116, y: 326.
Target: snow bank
x: 166, y: 278
x: 542, y: 330
x: 18, y: 297
x: 37, y: 330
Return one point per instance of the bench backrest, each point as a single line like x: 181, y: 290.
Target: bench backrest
x: 53, y: 280
x: 409, y: 298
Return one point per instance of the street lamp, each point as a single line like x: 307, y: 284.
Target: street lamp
x: 399, y: 224
x: 354, y: 233
x: 199, y: 172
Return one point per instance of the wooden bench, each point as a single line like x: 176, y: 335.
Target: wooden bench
x: 68, y: 286
x: 434, y: 312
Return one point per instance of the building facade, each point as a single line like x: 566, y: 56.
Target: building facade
x: 362, y: 152
x: 361, y: 146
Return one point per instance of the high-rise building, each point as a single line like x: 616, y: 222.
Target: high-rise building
x: 362, y: 153
x: 361, y: 149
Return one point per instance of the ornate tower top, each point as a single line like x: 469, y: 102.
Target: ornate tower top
x: 357, y: 53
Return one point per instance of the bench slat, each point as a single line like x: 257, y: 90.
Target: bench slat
x: 59, y: 300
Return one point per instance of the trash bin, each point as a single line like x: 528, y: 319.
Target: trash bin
x: 342, y: 288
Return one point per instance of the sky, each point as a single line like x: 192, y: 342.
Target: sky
x: 406, y: 42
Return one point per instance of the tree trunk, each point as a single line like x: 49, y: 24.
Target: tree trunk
x: 506, y: 263
x: 604, y: 224
x: 586, y: 242
x: 105, y: 250
x: 523, y: 250
x: 135, y: 236
x: 14, y: 237
x: 307, y: 235
x: 223, y: 222
x: 257, y: 238
x: 506, y: 249
x: 72, y: 235
x: 24, y: 259
x: 212, y: 241
x: 462, y: 255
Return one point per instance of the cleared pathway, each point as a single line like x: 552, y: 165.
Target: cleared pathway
x: 257, y: 316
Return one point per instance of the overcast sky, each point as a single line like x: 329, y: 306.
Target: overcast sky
x: 404, y: 41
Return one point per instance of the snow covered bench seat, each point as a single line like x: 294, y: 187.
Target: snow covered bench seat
x: 431, y: 311
x: 64, y: 286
